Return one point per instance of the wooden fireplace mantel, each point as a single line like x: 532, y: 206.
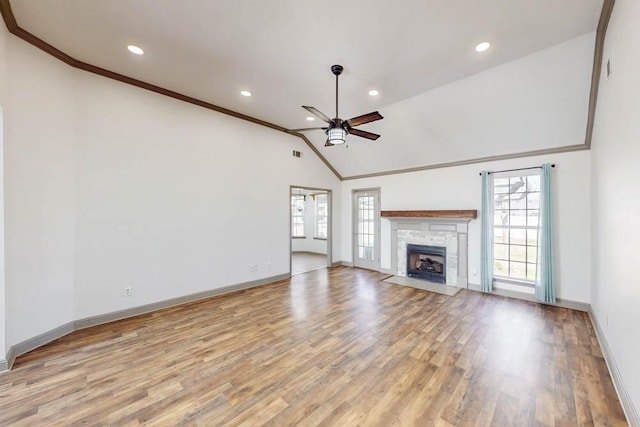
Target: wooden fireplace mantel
x: 459, y: 214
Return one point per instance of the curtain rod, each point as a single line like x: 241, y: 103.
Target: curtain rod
x: 519, y: 169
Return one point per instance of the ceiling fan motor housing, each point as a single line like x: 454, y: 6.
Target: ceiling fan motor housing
x: 336, y: 123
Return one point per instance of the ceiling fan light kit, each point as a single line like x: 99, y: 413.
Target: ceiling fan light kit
x: 336, y: 136
x: 338, y: 129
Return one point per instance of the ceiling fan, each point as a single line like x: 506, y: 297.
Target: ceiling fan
x: 338, y: 129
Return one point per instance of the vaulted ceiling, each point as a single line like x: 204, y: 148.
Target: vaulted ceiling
x: 410, y: 51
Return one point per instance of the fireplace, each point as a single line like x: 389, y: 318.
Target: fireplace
x: 448, y: 229
x: 427, y: 262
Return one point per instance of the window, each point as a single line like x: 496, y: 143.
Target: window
x: 321, y: 216
x: 297, y: 216
x: 516, y: 210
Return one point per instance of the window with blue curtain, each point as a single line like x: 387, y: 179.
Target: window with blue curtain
x: 517, y: 231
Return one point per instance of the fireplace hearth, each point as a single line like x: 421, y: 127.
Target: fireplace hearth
x: 427, y: 262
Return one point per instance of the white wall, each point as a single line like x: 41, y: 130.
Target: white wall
x: 3, y: 79
x: 2, y: 264
x: 108, y: 186
x: 39, y: 201
x: 174, y: 199
x: 309, y: 243
x: 616, y: 174
x: 459, y: 188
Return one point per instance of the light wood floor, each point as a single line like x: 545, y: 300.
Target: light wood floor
x: 303, y: 262
x: 332, y: 347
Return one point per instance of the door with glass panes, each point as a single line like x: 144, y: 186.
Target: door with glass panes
x: 366, y: 229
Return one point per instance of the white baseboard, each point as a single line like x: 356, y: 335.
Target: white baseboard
x: 4, y: 365
x: 627, y: 404
x: 46, y: 337
x: 564, y: 303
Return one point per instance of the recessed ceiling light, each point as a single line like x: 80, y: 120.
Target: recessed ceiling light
x: 481, y: 47
x: 310, y: 119
x: 373, y: 92
x: 135, y: 49
x: 245, y: 93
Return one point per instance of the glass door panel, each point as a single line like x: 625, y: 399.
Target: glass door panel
x: 366, y: 230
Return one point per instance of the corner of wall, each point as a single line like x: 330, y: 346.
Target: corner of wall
x: 618, y: 382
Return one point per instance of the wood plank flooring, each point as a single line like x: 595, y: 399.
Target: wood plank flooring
x: 303, y: 262
x: 334, y: 347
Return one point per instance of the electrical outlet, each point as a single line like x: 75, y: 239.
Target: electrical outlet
x: 253, y: 268
x: 128, y: 291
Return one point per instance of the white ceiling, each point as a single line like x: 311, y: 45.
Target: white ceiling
x: 281, y: 50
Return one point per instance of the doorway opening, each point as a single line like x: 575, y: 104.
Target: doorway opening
x: 310, y: 229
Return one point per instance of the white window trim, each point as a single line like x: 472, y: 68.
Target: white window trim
x: 508, y: 279
x: 297, y: 215
x: 317, y: 217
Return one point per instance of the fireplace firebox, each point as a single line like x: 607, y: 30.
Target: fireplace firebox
x: 427, y: 262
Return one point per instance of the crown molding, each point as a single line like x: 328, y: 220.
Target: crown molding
x: 601, y: 32
x: 564, y: 149
x: 605, y: 15
x: 315, y: 150
x: 16, y: 30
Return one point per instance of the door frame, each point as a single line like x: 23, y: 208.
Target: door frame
x: 329, y: 222
x: 377, y: 246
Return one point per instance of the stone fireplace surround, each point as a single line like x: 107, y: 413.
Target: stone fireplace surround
x: 433, y: 228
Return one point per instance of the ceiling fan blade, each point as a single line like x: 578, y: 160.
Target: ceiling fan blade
x: 305, y: 129
x: 364, y: 134
x: 317, y: 113
x: 328, y: 144
x: 366, y: 118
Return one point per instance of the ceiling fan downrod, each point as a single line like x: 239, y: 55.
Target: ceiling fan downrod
x: 337, y: 70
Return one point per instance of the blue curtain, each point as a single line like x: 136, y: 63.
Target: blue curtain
x: 546, y: 284
x: 486, y: 235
